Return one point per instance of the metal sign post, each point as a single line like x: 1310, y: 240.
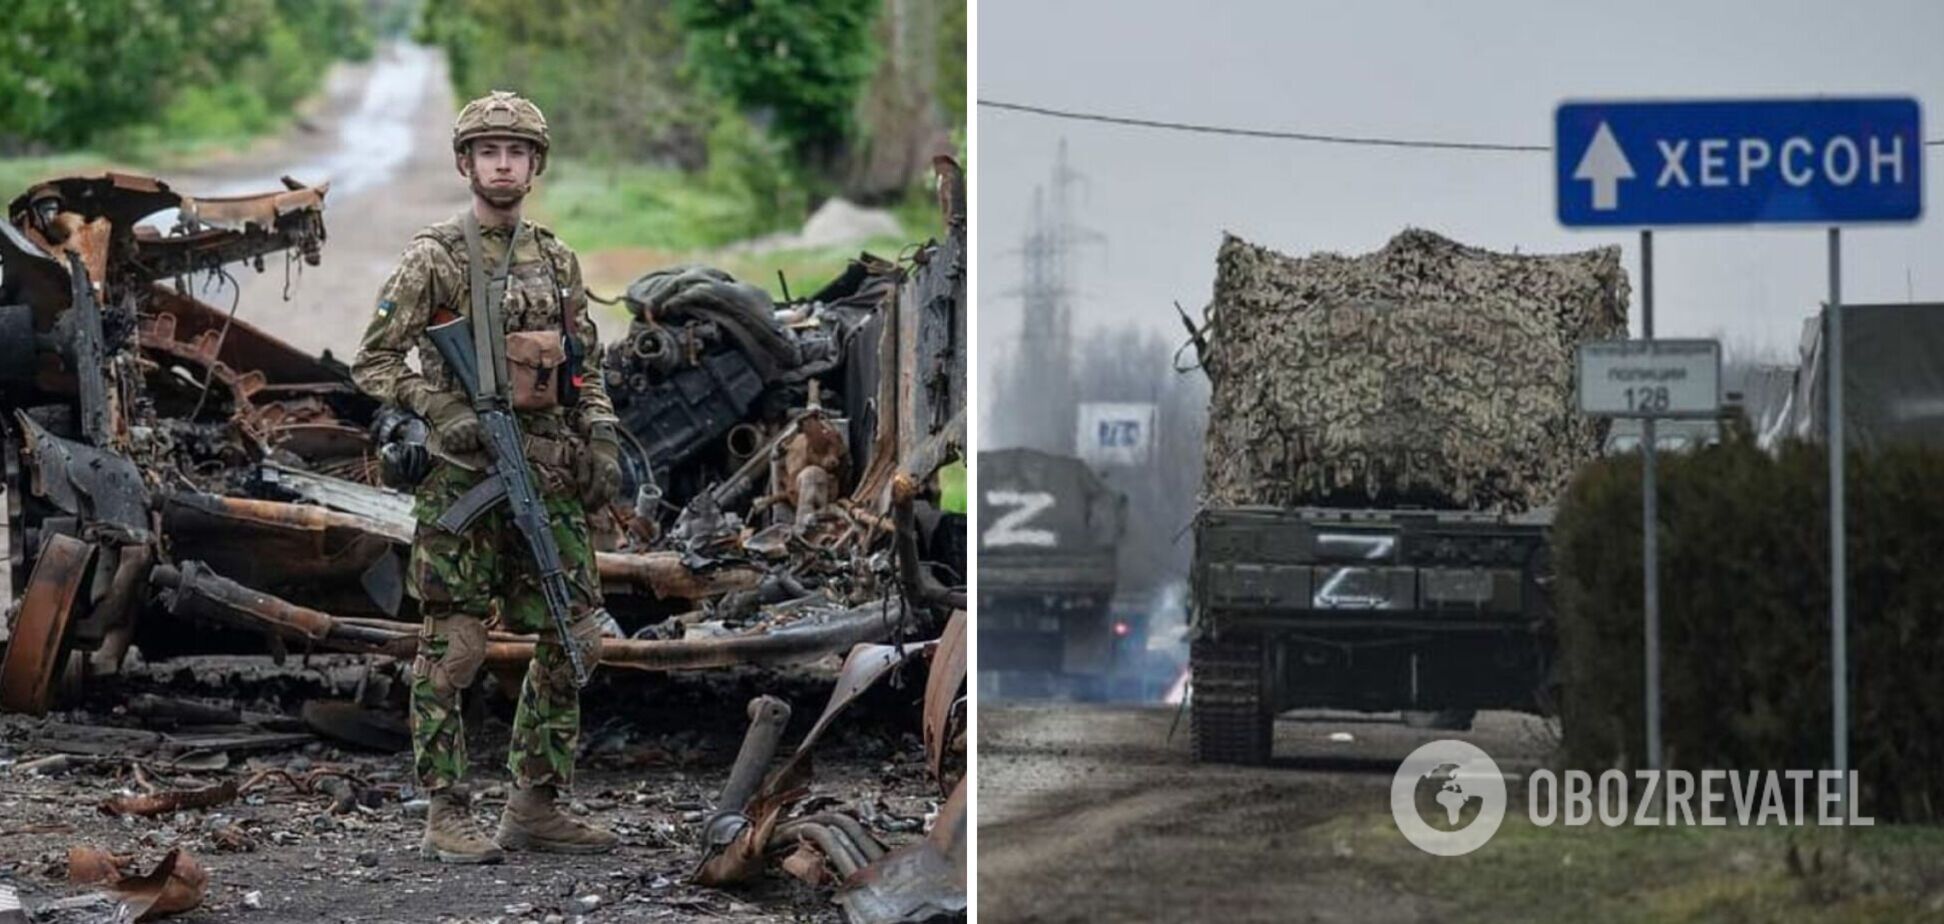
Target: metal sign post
x: 1650, y: 520
x: 1825, y: 161
x: 1838, y: 576
x: 1647, y: 379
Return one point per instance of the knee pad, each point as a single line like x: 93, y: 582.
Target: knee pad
x: 465, y: 651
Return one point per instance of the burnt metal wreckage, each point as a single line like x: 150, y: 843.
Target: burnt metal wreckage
x: 180, y: 480
x: 920, y: 881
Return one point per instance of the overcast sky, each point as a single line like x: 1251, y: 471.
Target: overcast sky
x: 1475, y: 71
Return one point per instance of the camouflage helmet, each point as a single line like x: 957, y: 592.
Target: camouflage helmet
x: 500, y: 114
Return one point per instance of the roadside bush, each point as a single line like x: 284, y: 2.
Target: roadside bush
x: 220, y: 111
x: 1745, y: 616
x: 748, y: 166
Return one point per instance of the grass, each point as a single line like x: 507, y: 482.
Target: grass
x: 629, y: 219
x: 596, y: 207
x: 18, y: 173
x: 182, y: 137
x: 1596, y: 874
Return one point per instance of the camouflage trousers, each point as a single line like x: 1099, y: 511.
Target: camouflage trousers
x: 463, y: 583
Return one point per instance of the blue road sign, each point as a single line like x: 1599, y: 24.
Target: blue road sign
x: 1720, y: 162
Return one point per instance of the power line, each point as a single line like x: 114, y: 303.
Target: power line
x: 1317, y: 137
x: 1258, y: 132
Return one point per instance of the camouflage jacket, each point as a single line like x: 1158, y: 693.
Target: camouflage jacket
x: 433, y: 275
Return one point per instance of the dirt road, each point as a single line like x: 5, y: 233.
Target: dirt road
x: 381, y: 135
x: 1090, y: 813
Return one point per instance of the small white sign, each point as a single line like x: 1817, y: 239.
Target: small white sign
x: 1115, y: 433
x: 1650, y: 378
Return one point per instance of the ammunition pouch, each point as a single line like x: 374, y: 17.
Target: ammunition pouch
x: 552, y: 453
x: 534, y: 363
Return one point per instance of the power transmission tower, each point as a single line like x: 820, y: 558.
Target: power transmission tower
x: 1042, y: 395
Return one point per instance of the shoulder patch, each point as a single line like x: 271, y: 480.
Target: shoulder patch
x: 385, y: 308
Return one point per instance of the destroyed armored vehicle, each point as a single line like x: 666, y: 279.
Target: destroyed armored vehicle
x: 183, y: 481
x: 1049, y: 531
x: 1386, y: 436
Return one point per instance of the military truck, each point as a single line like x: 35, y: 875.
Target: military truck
x: 1386, y: 436
x: 1049, y: 530
x: 1893, y: 386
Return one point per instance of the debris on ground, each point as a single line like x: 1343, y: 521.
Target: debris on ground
x: 176, y: 884
x: 920, y: 881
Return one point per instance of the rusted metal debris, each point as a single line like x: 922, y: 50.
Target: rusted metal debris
x: 177, y: 884
x: 732, y: 841
x: 176, y: 800
x: 922, y: 881
x: 926, y: 881
x: 358, y: 725
x: 196, y: 591
x: 114, y: 742
x: 757, y: 810
x: 34, y: 650
x: 184, y: 464
x: 806, y: 863
x: 946, y: 706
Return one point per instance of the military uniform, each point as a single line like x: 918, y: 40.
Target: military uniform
x: 465, y: 582
x: 483, y: 577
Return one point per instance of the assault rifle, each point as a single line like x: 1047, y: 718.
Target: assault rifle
x: 510, y: 481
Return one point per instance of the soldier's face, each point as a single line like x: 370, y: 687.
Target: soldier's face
x: 500, y: 170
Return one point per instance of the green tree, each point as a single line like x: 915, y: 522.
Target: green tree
x: 951, y: 62
x: 77, y: 73
x: 796, y: 64
x: 71, y: 68
x: 604, y: 71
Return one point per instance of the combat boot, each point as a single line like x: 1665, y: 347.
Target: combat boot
x: 533, y: 821
x: 450, y: 836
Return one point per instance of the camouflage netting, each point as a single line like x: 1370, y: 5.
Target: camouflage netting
x: 1427, y: 372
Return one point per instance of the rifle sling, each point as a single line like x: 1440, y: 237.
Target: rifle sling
x: 489, y: 328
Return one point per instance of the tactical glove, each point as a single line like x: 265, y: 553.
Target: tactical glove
x: 456, y: 424
x: 598, y: 473
x: 403, y: 461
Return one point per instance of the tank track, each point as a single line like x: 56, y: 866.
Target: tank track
x: 1232, y: 722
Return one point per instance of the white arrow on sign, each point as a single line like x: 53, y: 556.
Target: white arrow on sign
x: 1606, y: 165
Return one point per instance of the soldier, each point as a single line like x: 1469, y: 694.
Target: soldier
x: 466, y: 581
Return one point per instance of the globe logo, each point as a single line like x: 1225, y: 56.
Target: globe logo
x: 1448, y: 798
